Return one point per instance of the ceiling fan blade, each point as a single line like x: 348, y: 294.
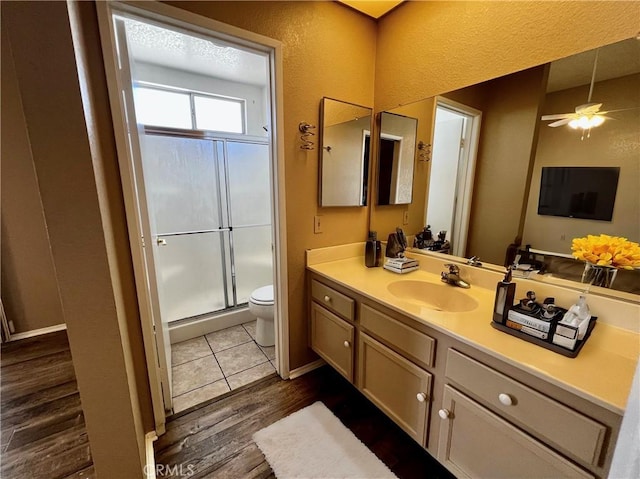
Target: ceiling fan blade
x: 559, y: 116
x: 619, y: 109
x: 559, y: 122
x: 588, y: 108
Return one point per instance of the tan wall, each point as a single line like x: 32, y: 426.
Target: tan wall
x: 430, y: 48
x: 329, y: 50
x: 615, y: 143
x: 29, y: 285
x: 87, y: 236
x: 507, y: 136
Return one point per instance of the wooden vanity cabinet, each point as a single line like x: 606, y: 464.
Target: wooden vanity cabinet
x: 475, y: 442
x: 479, y: 415
x: 401, y: 389
x: 332, y: 337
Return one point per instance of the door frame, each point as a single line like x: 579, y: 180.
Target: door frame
x: 466, y: 177
x: 167, y: 14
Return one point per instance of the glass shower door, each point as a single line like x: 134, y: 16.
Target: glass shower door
x: 249, y: 186
x: 181, y: 178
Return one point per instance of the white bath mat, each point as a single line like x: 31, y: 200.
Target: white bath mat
x: 313, y: 444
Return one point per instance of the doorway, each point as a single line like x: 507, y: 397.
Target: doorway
x: 195, y: 115
x: 455, y: 145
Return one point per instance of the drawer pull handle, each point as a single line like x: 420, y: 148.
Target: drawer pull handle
x: 327, y: 298
x: 421, y: 397
x: 346, y: 344
x: 444, y: 413
x: 505, y: 399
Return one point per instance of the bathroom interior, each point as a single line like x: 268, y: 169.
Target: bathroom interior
x: 208, y: 263
x: 201, y: 109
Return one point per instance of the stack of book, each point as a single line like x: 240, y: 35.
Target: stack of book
x: 401, y: 265
x: 533, y: 326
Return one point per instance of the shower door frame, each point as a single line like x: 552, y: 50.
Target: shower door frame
x: 121, y: 105
x: 229, y: 279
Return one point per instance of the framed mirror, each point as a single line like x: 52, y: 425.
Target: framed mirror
x: 515, y: 144
x: 396, y: 159
x: 345, y: 158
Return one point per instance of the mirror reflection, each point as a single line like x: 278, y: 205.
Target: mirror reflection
x: 344, y: 141
x: 396, y: 155
x: 515, y: 144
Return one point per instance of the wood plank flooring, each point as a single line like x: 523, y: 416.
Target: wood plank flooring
x: 43, y: 433
x: 214, y: 440
x: 41, y: 422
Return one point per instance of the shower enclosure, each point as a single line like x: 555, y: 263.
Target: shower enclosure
x: 209, y: 207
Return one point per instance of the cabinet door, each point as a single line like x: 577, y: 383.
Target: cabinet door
x: 397, y: 386
x: 475, y: 442
x: 332, y: 339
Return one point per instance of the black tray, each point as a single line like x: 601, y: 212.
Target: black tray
x: 546, y: 344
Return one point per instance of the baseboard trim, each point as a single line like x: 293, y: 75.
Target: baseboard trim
x: 150, y: 466
x: 38, y: 332
x: 307, y: 368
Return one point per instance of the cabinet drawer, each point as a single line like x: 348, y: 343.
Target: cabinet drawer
x: 332, y: 300
x: 474, y: 442
x: 566, y: 429
x: 332, y: 339
x: 416, y: 345
x: 397, y: 386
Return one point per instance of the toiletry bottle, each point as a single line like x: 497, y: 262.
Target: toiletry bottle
x: 505, y: 292
x: 584, y: 316
x: 372, y: 250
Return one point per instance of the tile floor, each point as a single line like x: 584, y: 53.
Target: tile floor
x: 211, y: 365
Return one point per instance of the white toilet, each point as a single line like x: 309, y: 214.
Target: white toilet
x: 261, y: 306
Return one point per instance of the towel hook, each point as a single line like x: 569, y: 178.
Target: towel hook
x: 305, y: 128
x: 424, y: 150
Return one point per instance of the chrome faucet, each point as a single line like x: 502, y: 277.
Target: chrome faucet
x: 452, y: 277
x: 474, y: 261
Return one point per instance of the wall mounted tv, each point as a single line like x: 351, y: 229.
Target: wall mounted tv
x: 578, y: 192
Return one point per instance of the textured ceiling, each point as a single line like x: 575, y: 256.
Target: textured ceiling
x: 168, y: 48
x: 373, y: 8
x: 614, y: 61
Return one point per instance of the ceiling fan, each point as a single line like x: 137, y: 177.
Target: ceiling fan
x: 586, y: 116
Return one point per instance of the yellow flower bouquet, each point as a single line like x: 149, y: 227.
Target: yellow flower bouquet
x: 605, y: 250
x: 604, y: 255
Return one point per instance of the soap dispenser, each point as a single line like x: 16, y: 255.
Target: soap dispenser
x: 505, y: 292
x: 372, y: 251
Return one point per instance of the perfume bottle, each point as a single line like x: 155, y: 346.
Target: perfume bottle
x: 505, y: 292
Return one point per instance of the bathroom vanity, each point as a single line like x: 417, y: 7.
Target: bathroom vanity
x: 484, y: 403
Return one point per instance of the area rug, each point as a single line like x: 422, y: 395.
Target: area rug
x: 313, y: 444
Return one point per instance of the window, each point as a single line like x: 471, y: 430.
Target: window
x: 188, y: 110
x: 218, y: 114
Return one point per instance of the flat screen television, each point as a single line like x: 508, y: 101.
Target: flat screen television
x: 578, y: 192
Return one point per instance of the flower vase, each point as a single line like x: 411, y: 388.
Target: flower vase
x: 597, y: 275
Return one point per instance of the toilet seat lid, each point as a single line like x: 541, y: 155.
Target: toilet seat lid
x: 263, y: 295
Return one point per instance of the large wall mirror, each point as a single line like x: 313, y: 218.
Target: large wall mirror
x: 515, y: 144
x: 344, y: 141
x: 396, y: 158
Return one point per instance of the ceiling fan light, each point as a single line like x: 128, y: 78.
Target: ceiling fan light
x: 587, y: 122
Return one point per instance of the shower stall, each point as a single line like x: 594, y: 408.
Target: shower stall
x: 209, y: 205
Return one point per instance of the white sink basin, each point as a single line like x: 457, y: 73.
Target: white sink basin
x: 439, y: 297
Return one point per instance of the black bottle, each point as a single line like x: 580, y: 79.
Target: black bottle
x: 372, y: 251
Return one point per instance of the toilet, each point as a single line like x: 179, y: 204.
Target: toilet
x: 261, y: 306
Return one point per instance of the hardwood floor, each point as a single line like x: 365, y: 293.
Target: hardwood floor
x: 214, y: 441
x: 41, y: 422
x: 43, y: 433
